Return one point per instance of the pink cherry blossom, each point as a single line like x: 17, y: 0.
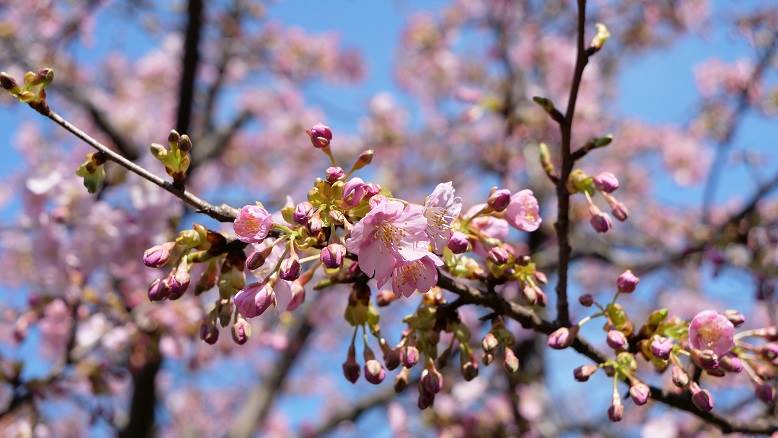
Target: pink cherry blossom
x: 441, y: 208
x: 389, y: 234
x: 418, y: 275
x: 252, y: 224
x: 523, y: 211
x: 710, y: 330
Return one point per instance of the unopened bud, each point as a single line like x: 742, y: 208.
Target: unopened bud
x: 765, y: 392
x: 562, y: 337
x: 302, y: 213
x: 680, y: 378
x: 600, y: 221
x: 617, y: 341
x: 290, y: 269
x: 374, y: 372
x: 661, y: 347
x: 209, y: 332
x: 431, y: 380
x: 458, y: 243
x: 489, y: 342
x: 499, y: 255
x: 735, y: 317
x: 731, y: 364
x: 401, y: 381
x: 334, y: 173
x: 583, y: 372
x: 409, y: 355
x: 586, y: 300
x: 241, y: 331
x: 616, y: 411
x: 363, y: 160
x: 702, y: 398
x: 499, y: 199
x: 639, y: 393
x: 185, y: 143
x: 627, y: 282
x: 158, y: 290
x: 332, y: 255
x: 511, y: 362
x: 606, y: 182
x: 157, y: 256
x: 321, y: 135
x: 600, y: 37
x: 7, y: 82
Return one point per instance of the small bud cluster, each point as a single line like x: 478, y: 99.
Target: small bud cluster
x: 605, y: 184
x: 175, y: 157
x: 33, y: 91
x: 708, y: 342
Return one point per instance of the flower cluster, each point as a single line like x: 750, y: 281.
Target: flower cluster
x: 708, y: 343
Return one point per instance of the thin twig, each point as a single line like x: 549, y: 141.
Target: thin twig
x: 563, y: 195
x: 223, y: 213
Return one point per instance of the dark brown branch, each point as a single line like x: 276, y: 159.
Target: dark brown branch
x: 714, y: 172
x: 144, y: 392
x: 529, y: 319
x: 562, y: 225
x: 190, y: 62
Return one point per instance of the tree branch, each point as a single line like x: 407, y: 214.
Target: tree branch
x: 190, y: 62
x: 223, y: 213
x: 563, y: 196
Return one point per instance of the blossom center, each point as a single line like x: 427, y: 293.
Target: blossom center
x: 389, y: 235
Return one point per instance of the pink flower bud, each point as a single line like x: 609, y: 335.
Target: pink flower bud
x: 391, y: 356
x: 178, y: 282
x: 562, y: 337
x: 334, y: 173
x: 499, y: 255
x: 252, y: 224
x: 601, y: 222
x: 702, y: 398
x: 290, y: 269
x: 351, y: 370
x: 489, y: 342
x: 374, y: 372
x: 617, y: 341
x: 710, y: 330
x: 254, y: 299
x: 619, y: 211
x: 705, y: 359
x: 255, y: 260
x: 616, y: 411
x: 298, y: 295
x: 426, y: 399
x: 241, y: 331
x: 586, y: 300
x: 639, y: 393
x: 765, y: 392
x: 209, y: 332
x: 661, y: 347
x: 409, y: 355
x: 731, y: 364
x: 680, y: 378
x: 431, y: 380
x: 511, y: 362
x: 321, y: 135
x: 469, y: 369
x: 303, y: 213
x: 158, y: 290
x: 458, y: 243
x: 583, y: 372
x: 499, y: 199
x: 606, y: 182
x: 157, y: 256
x: 627, y: 282
x: 354, y: 191
x: 332, y: 255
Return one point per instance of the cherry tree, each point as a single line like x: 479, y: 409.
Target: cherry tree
x: 198, y: 251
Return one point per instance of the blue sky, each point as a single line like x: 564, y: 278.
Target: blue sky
x: 657, y: 86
